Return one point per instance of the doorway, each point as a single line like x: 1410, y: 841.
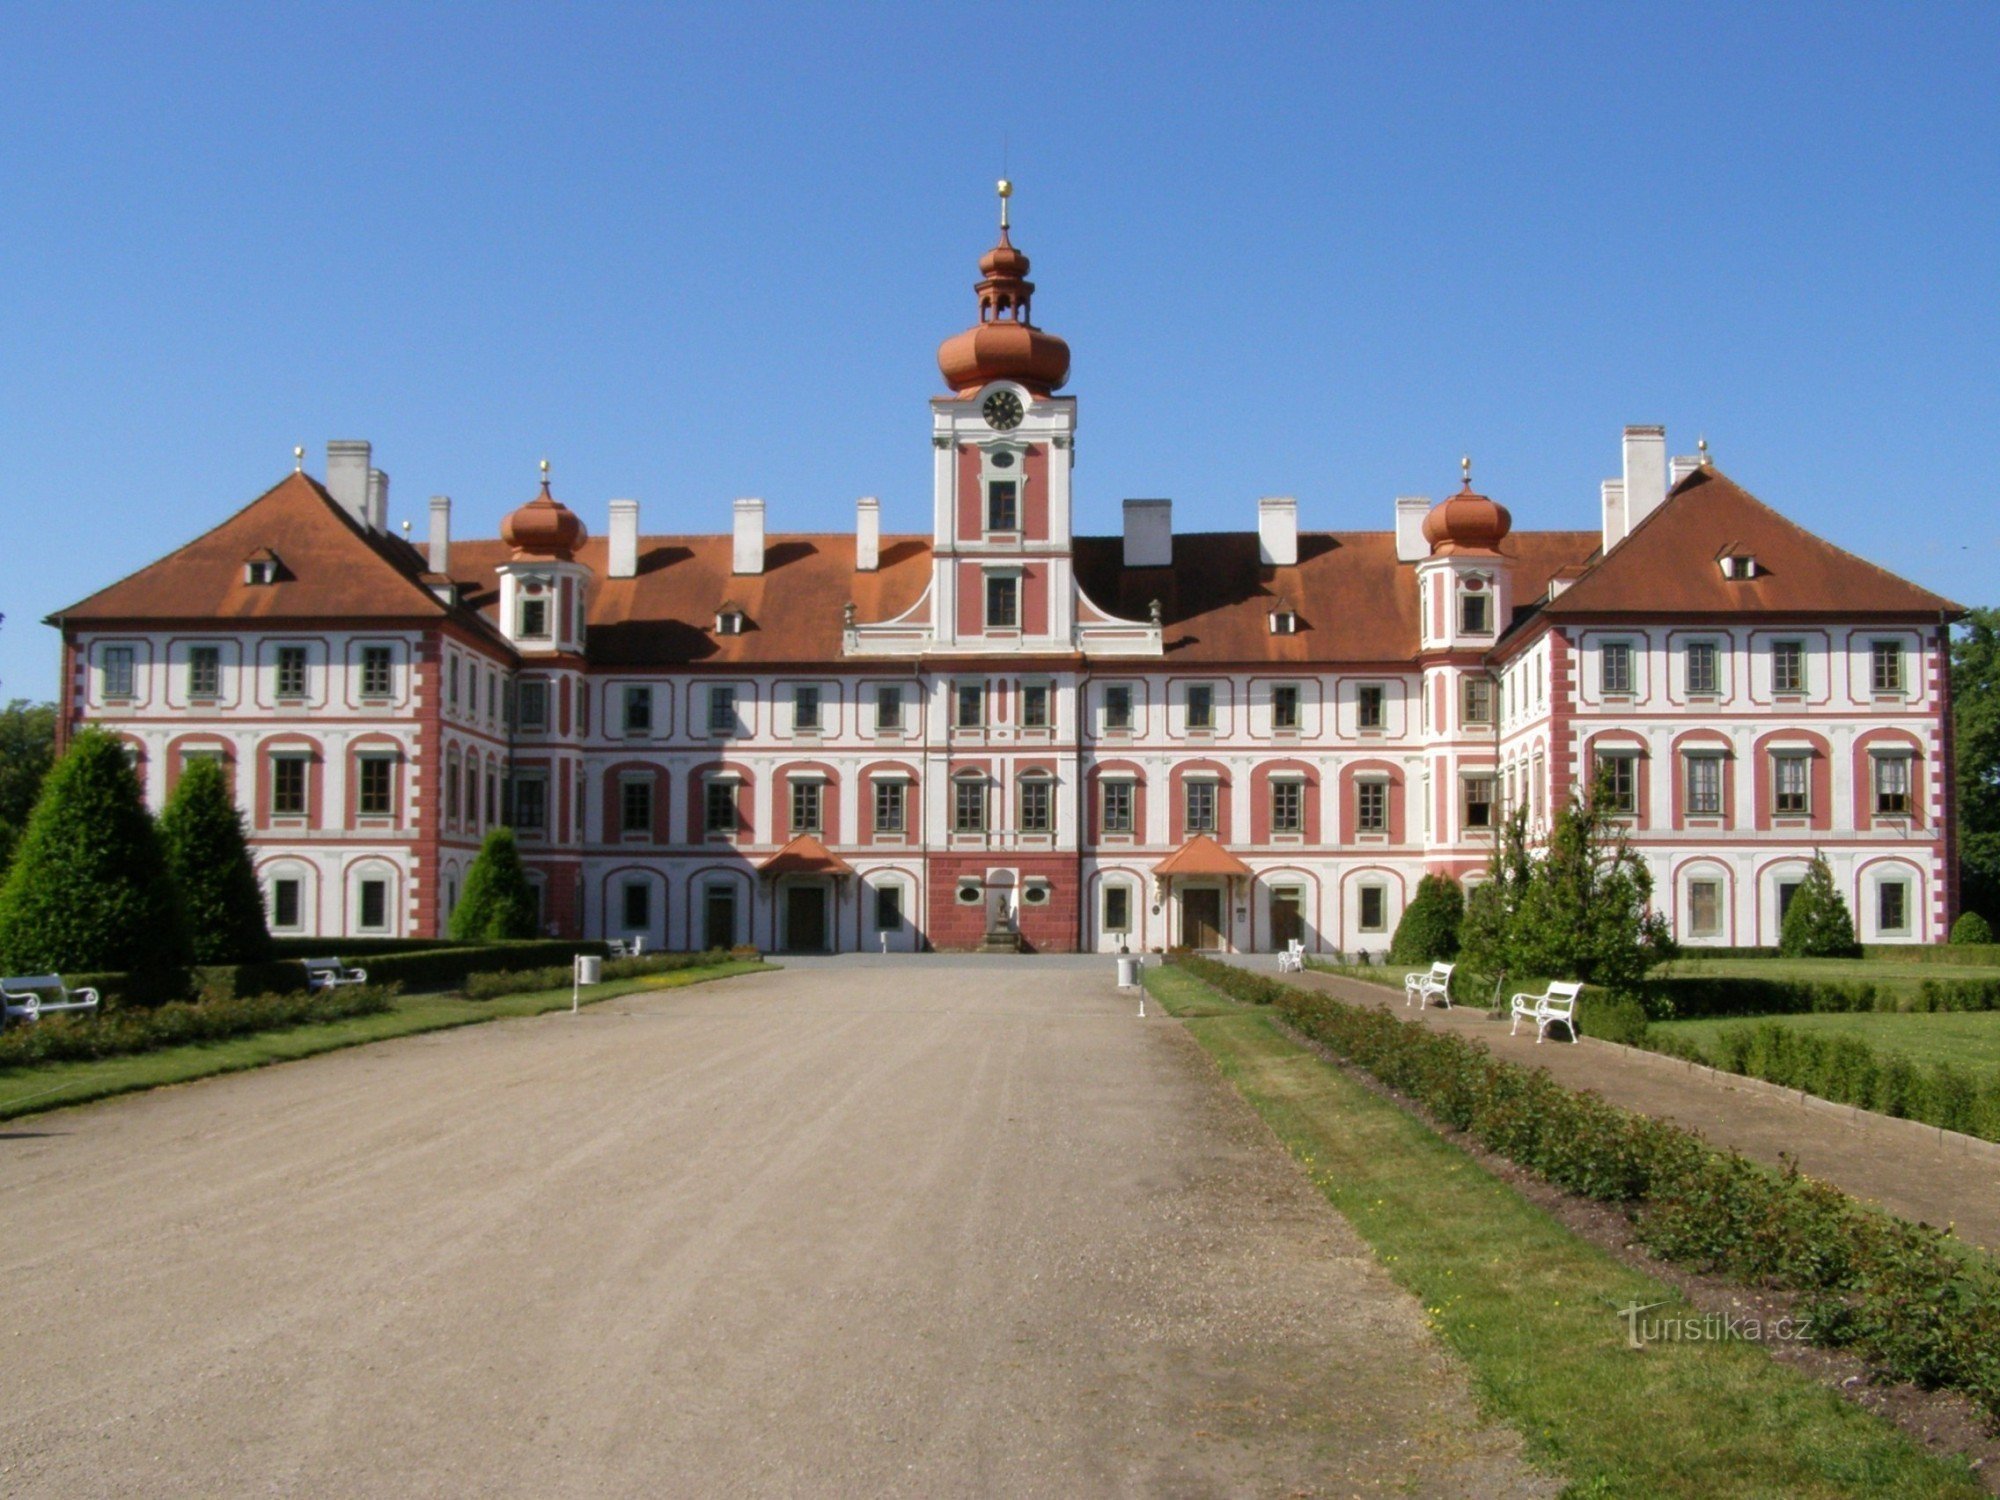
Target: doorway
x: 805, y: 919
x: 1201, y: 918
x: 1288, y: 917
x: 718, y: 917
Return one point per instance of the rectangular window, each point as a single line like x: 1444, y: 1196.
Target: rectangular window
x: 635, y: 805
x: 638, y: 709
x: 531, y: 803
x: 969, y: 700
x: 1885, y: 666
x: 377, y: 677
x: 1200, y: 706
x: 1892, y: 785
x: 968, y: 805
x: 286, y: 906
x: 1704, y: 786
x: 1003, y: 510
x: 888, y: 708
x: 451, y: 803
x: 807, y: 799
x: 805, y: 709
x: 374, y: 797
x: 205, y: 672
x: 1003, y: 601
x: 1791, y: 785
x: 1037, y: 803
x: 533, y: 700
x: 1118, y: 908
x: 1118, y: 708
x: 1475, y: 613
x: 291, y: 671
x: 534, y: 619
x: 1118, y: 806
x: 1701, y: 668
x: 1788, y: 666
x: 288, y: 786
x: 1704, y: 908
x: 636, y: 897
x: 722, y: 710
x: 1035, y: 706
x: 1374, y: 909
x: 1618, y: 782
x: 890, y: 802
x: 1892, y: 906
x: 1477, y: 700
x: 1288, y: 807
x: 718, y: 807
x: 451, y: 678
x: 1200, y: 804
x: 1368, y: 704
x: 1479, y: 802
x: 1371, y: 806
x: 374, y: 905
x: 1285, y: 706
x: 888, y: 908
x: 1616, y: 658
x: 118, y: 671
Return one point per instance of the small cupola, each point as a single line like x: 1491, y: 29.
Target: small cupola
x: 1004, y: 344
x: 1467, y: 521
x: 544, y: 527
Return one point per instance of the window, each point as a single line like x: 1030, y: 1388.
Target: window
x: 1284, y: 622
x: 451, y: 802
x: 1003, y: 601
x: 1892, y: 906
x: 1285, y: 706
x: 635, y: 804
x: 1118, y: 908
x: 1476, y: 699
x: 718, y: 806
x: 1892, y: 785
x: 729, y: 621
x: 1788, y: 666
x: 534, y: 620
x: 889, y: 908
x: 376, y: 672
x: 472, y: 692
x: 1118, y: 806
x: 374, y: 797
x: 1371, y: 806
x: 1003, y: 510
x: 1199, y: 801
x: 1479, y: 802
x: 888, y: 708
x: 1704, y: 908
x: 288, y: 786
x: 204, y: 672
x: 1288, y: 803
x: 1618, y: 780
x: 1885, y: 662
x: 1791, y: 784
x: 1374, y: 909
x: 969, y: 700
x: 492, y: 793
x: 968, y: 805
x: 286, y: 907
x: 890, y: 799
x: 805, y: 709
x: 1037, y: 804
x: 638, y: 709
x: 1475, y: 611
x: 722, y: 710
x: 533, y: 701
x: 374, y: 905
x: 291, y: 671
x: 531, y: 803
x: 1368, y: 705
x: 1701, y: 672
x: 1704, y: 786
x: 1616, y: 660
x: 636, y: 899
x: 259, y: 571
x: 1787, y: 889
x: 807, y: 800
x: 1200, y: 706
x: 1035, y: 706
x: 451, y: 678
x: 1118, y: 708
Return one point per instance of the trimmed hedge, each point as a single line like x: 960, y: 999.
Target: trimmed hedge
x: 1902, y: 1295
x: 75, y: 1038
x: 521, y: 981
x: 451, y: 968
x: 1696, y: 997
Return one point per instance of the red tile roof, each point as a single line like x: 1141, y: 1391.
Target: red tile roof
x: 805, y: 855
x: 1200, y: 855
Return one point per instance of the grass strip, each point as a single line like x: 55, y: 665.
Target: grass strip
x: 1532, y: 1307
x: 26, y: 1091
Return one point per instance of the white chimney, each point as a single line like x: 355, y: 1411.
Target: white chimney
x: 1149, y: 533
x: 867, y: 534
x: 1645, y: 473
x: 1683, y: 465
x: 1615, y: 525
x: 378, y: 500
x: 347, y: 476
x: 622, y: 545
x: 1278, y: 531
x: 749, y: 555
x: 1410, y: 513
x: 440, y: 549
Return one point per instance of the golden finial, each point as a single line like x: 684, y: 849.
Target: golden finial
x: 1701, y: 446
x: 545, y: 475
x: 1465, y: 470
x: 298, y: 460
x: 1006, y: 192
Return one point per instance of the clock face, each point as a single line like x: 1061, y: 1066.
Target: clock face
x: 1003, y: 410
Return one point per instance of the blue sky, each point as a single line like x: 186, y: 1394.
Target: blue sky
x: 694, y: 253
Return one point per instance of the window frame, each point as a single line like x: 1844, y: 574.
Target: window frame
x: 1117, y: 815
x: 1788, y: 667
x: 204, y: 673
x: 1035, y: 809
x: 891, y: 797
x: 1003, y: 588
x: 1695, y: 886
x: 1885, y: 668
x: 1201, y: 802
x: 1371, y: 710
x: 635, y: 708
x: 1696, y: 802
x: 1614, y: 668
x: 1379, y: 894
x: 887, y: 695
x: 1889, y: 801
x: 807, y: 701
x: 1202, y: 693
x: 1285, y: 700
x: 378, y: 672
x: 1707, y: 682
x: 964, y: 693
x: 1899, y: 887
x: 290, y: 673
x: 637, y: 793
x: 1622, y: 784
x: 281, y: 887
x: 532, y: 689
x: 721, y: 714
x: 283, y: 763
x: 808, y: 804
x: 719, y: 794
x: 970, y: 795
x: 1371, y: 789
x: 376, y: 801
x: 1118, y: 708
x: 1121, y: 923
x: 116, y: 665
x: 373, y: 889
x: 1036, y: 705
x: 518, y: 784
x: 1469, y: 785
x: 1288, y: 805
x: 1786, y: 801
x: 1476, y: 699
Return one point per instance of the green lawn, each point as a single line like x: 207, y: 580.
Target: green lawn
x: 1970, y: 1039
x: 25, y: 1091
x: 1530, y: 1306
x: 1903, y: 973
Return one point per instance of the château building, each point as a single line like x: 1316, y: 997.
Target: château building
x: 1001, y: 729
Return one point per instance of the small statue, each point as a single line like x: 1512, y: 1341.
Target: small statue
x: 847, y: 614
x: 1153, y: 612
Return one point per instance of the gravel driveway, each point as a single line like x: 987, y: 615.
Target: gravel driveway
x: 907, y: 1226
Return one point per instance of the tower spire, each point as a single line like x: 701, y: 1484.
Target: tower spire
x: 1006, y: 192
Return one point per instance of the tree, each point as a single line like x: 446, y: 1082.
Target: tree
x: 1817, y: 923
x: 1971, y: 929
x: 208, y: 855
x: 1429, y: 929
x: 89, y: 888
x: 498, y: 902
x: 1585, y: 912
x: 27, y: 750
x: 1485, y: 933
x: 1975, y: 695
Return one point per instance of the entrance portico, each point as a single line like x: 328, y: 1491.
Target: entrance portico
x: 1198, y: 883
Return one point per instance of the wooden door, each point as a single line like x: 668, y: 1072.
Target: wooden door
x: 1288, y: 918
x: 805, y: 919
x: 1201, y: 918
x: 718, y: 917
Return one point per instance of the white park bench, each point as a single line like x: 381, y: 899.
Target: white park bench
x: 630, y: 947
x: 1557, y: 1006
x: 330, y: 973
x: 1433, y: 984
x: 29, y: 997
x: 1293, y: 959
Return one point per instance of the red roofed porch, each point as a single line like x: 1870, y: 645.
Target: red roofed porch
x: 1199, y: 884
x: 804, y: 877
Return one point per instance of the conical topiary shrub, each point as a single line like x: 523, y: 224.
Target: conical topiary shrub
x: 209, y: 857
x: 1818, y: 923
x: 498, y: 902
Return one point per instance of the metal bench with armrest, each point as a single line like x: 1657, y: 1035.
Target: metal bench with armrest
x: 330, y: 973
x: 1555, y: 1007
x: 29, y: 997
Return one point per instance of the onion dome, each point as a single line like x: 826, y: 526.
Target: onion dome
x: 544, y: 527
x: 1004, y: 344
x: 1467, y: 522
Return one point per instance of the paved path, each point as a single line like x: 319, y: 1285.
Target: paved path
x: 1896, y: 1164
x: 868, y: 1227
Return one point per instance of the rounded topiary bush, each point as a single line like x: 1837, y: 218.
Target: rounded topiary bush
x: 1971, y: 928
x: 498, y: 903
x: 1429, y: 929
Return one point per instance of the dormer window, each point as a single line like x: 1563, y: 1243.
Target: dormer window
x: 729, y: 620
x: 261, y: 568
x: 1284, y: 621
x: 1739, y: 566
